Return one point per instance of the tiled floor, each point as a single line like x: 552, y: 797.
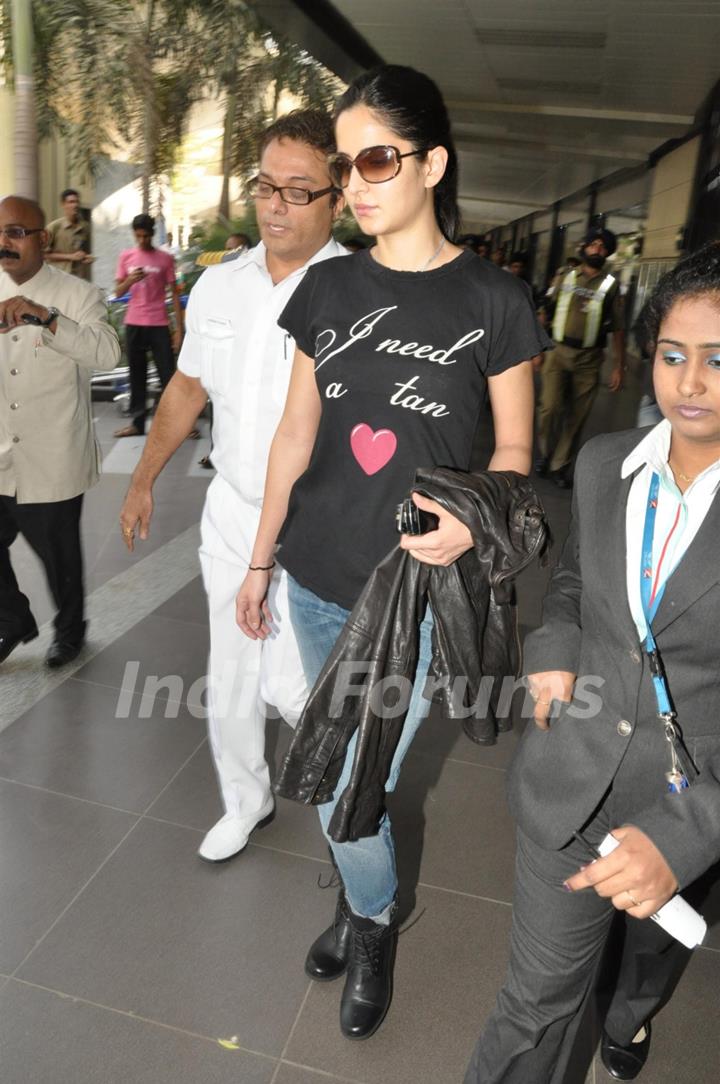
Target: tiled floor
x: 126, y: 960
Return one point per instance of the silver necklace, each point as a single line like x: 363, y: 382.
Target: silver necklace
x: 432, y: 259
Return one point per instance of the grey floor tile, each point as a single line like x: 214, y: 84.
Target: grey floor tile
x: 192, y: 799
x: 31, y: 578
x: 452, y: 819
x: 49, y: 847
x: 445, y: 738
x: 217, y: 950
x: 80, y: 740
x: 167, y: 650
x: 686, y: 1040
x: 190, y: 604
x: 296, y: 829
x: 298, y: 1074
x: 47, y: 1038
x: 449, y: 967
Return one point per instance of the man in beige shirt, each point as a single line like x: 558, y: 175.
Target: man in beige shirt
x: 53, y: 333
x: 69, y: 238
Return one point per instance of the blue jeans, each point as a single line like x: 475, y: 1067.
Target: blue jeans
x: 367, y: 866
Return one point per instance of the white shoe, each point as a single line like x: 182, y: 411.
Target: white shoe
x: 230, y: 835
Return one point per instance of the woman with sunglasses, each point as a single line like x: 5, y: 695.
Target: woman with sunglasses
x: 396, y: 350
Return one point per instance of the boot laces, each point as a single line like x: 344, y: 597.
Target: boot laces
x: 367, y: 948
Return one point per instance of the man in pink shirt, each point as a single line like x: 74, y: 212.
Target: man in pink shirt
x: 148, y: 274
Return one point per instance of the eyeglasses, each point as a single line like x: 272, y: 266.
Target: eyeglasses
x: 18, y: 233
x: 375, y: 165
x: 288, y: 194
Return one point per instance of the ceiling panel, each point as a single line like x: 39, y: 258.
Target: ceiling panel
x: 545, y: 98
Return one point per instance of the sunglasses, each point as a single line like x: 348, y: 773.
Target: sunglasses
x: 375, y: 165
x: 18, y: 233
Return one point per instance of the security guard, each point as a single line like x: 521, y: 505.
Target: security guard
x: 588, y: 305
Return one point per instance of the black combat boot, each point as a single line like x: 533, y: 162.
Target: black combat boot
x: 329, y: 954
x: 368, y: 986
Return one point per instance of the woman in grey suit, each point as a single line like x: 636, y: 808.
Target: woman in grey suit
x: 636, y: 591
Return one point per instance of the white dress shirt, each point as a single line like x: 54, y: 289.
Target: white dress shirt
x: 234, y: 347
x: 651, y: 456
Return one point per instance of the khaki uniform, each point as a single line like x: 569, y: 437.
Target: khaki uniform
x: 70, y: 237
x: 576, y: 363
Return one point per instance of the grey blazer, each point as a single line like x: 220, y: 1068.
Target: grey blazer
x: 561, y: 776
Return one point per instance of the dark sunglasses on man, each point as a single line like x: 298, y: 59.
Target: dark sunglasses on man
x: 375, y: 164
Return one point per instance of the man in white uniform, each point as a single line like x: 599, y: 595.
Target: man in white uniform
x: 235, y: 353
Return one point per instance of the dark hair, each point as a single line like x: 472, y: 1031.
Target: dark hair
x: 68, y: 192
x: 694, y: 276
x: 242, y: 237
x: 412, y: 106
x: 144, y: 222
x: 518, y: 257
x: 607, y: 237
x: 310, y: 126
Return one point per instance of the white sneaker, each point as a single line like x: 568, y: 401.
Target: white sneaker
x: 230, y: 835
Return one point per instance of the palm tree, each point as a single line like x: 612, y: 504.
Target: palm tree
x: 250, y: 68
x: 16, y: 53
x: 116, y: 75
x: 125, y: 75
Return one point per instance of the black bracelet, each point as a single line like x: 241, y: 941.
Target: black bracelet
x: 260, y: 568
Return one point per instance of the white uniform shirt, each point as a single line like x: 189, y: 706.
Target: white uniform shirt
x: 234, y: 347
x: 651, y: 455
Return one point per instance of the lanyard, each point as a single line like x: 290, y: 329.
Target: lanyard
x: 651, y: 593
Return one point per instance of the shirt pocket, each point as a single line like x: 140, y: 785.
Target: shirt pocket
x: 217, y: 349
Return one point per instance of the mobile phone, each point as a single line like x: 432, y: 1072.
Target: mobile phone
x: 409, y: 519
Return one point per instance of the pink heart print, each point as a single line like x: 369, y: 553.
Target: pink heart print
x: 373, y: 450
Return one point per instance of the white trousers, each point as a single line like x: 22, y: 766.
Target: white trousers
x: 246, y: 675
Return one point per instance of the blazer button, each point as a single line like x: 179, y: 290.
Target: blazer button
x: 14, y: 372
x: 15, y: 338
x: 16, y: 440
x: 14, y: 406
x: 635, y: 655
x: 624, y: 728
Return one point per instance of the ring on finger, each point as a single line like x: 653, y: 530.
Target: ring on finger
x: 628, y: 893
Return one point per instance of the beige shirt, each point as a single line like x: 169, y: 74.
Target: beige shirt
x: 48, y: 450
x: 68, y: 236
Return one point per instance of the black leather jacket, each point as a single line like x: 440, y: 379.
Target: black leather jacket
x: 474, y: 634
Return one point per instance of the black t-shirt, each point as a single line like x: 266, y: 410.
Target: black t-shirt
x: 401, y: 362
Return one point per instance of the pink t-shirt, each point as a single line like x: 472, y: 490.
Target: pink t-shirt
x: 147, y: 297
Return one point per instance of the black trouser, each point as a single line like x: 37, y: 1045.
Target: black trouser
x: 53, y: 532
x: 138, y: 341
x: 557, y: 941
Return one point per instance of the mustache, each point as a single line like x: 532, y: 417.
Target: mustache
x: 8, y: 254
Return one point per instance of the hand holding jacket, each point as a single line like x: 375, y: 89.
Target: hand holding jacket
x: 442, y: 546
